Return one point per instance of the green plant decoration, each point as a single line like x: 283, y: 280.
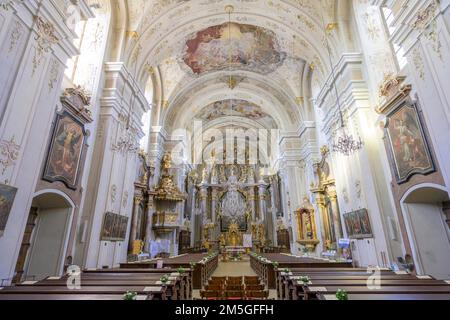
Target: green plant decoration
x: 164, y: 279
x: 130, y: 295
x: 341, y: 294
x: 181, y: 270
x: 305, y: 280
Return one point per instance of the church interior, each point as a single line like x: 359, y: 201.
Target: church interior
x: 224, y: 150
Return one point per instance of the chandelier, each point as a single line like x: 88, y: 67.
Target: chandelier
x: 345, y: 143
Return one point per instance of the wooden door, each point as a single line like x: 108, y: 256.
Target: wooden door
x: 26, y: 243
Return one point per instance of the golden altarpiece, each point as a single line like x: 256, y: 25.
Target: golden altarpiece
x: 232, y: 202
x: 324, y: 191
x: 307, y: 228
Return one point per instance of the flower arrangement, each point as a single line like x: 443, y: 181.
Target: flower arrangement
x: 341, y: 294
x: 130, y: 295
x: 305, y: 280
x: 164, y: 279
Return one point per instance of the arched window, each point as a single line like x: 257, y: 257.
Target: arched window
x: 389, y: 18
x: 146, y: 119
x: 84, y: 69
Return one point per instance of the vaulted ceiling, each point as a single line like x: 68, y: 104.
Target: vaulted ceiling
x: 272, y: 50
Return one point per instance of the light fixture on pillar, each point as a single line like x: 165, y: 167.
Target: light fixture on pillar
x: 345, y: 143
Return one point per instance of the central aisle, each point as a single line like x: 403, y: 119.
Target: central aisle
x: 234, y: 269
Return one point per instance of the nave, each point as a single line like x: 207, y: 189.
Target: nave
x: 224, y: 149
x: 257, y: 277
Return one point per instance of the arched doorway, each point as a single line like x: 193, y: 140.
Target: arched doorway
x: 422, y: 208
x: 44, y: 244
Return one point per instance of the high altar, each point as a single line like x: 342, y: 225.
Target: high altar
x: 233, y: 201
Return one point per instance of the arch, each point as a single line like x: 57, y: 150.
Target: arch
x: 52, y: 214
x: 428, y: 235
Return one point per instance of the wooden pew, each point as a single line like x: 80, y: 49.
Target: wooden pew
x: 153, y: 293
x: 267, y: 271
x: 312, y: 292
x: 183, y: 282
x: 391, y: 296
x: 171, y: 290
x: 285, y: 286
x: 201, y: 271
x: 299, y: 288
x: 56, y: 297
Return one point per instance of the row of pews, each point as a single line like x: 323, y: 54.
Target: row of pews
x: 202, y: 264
x: 299, y: 278
x: 104, y: 284
x: 175, y: 281
x: 266, y: 264
x: 359, y: 284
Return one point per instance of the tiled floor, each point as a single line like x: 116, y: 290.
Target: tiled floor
x: 233, y: 269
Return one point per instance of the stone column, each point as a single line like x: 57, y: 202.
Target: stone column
x: 148, y: 225
x: 274, y: 214
x: 325, y: 225
x: 336, y: 216
x: 214, y: 201
x: 252, y: 199
x: 262, y: 201
x: 203, y: 207
x: 134, y: 221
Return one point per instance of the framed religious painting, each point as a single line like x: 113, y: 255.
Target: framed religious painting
x: 65, y: 150
x: 123, y: 224
x: 407, y: 143
x: 357, y: 224
x: 7, y: 196
x: 108, y: 226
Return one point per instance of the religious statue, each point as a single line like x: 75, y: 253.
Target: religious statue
x: 251, y: 174
x: 233, y: 205
x: 166, y: 161
x: 307, y: 236
x: 233, y: 235
x: 222, y: 241
x: 205, y: 175
x: 214, y: 174
x: 262, y: 235
x: 222, y: 175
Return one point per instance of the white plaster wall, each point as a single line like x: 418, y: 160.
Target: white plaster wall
x: 27, y: 118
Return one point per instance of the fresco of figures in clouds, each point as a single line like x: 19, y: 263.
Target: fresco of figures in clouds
x: 233, y: 107
x: 247, y: 47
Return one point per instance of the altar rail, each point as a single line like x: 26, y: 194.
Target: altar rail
x: 263, y: 265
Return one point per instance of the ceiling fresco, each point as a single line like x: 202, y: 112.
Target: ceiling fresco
x: 247, y: 47
x: 234, y: 107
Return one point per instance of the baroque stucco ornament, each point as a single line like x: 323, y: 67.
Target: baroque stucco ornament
x: 45, y: 38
